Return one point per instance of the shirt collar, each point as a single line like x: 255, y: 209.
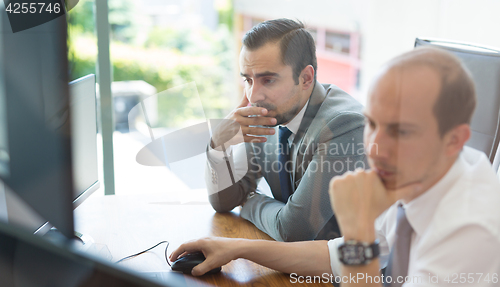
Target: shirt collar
x: 294, y: 124
x: 420, y: 210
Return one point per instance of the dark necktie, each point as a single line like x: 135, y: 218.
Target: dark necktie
x: 400, y: 252
x: 284, y: 156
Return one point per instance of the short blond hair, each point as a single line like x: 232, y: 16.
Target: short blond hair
x: 456, y: 101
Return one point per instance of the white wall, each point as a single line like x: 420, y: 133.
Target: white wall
x: 393, y: 25
x: 389, y: 27
x: 340, y: 14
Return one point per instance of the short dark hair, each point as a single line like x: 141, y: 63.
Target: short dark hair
x: 456, y: 101
x: 296, y: 43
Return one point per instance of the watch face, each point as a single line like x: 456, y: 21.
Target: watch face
x: 352, y: 254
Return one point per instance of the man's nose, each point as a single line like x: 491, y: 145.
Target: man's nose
x: 379, y: 145
x: 255, y: 93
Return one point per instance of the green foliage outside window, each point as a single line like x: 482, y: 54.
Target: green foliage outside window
x: 166, y: 59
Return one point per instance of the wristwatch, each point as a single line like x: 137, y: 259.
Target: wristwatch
x: 354, y: 252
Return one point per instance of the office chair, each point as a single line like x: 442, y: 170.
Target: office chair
x: 496, y: 162
x: 484, y: 65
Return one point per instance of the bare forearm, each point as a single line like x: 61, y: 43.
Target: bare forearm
x: 304, y: 258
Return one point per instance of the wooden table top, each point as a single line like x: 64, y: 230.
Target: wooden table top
x: 127, y: 224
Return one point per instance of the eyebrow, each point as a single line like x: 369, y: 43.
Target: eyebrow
x: 394, y: 125
x: 263, y: 74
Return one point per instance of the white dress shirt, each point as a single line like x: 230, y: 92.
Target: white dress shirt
x: 456, y: 223
x: 240, y: 167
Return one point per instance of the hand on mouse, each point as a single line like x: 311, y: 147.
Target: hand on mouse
x: 217, y: 251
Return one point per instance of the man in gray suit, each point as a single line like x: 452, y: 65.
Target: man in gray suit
x: 297, y: 135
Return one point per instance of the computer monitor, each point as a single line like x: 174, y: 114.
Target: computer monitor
x: 37, y: 149
x: 84, y: 137
x: 84, y: 153
x: 4, y: 147
x: 26, y: 260
x: 37, y: 119
x: 83, y: 110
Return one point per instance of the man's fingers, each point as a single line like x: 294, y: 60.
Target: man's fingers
x: 202, y: 268
x: 184, y: 248
x: 251, y: 111
x: 256, y: 121
x: 179, y: 256
x: 258, y: 131
x: 174, y: 255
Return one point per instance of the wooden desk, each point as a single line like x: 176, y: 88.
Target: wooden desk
x: 129, y: 224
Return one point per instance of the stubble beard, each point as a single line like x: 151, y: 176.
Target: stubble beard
x: 281, y: 118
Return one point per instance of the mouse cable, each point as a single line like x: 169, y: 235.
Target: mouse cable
x: 137, y: 254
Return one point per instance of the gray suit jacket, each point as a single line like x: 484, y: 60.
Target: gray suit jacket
x: 329, y: 142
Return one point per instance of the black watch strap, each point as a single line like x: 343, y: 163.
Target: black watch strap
x: 358, y: 253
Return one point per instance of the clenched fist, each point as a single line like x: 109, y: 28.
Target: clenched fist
x: 358, y: 198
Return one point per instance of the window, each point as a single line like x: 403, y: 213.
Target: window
x: 314, y: 34
x: 337, y: 42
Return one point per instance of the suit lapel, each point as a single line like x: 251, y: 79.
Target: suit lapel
x: 315, y: 101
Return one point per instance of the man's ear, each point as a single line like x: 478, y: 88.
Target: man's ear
x: 456, y: 139
x: 306, y: 78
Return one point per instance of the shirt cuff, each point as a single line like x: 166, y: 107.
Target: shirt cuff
x: 217, y: 156
x: 335, y: 264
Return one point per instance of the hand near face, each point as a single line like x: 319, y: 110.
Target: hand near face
x: 358, y: 198
x: 250, y: 120
x: 217, y: 251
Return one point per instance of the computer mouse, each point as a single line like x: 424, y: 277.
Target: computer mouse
x: 187, y: 262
